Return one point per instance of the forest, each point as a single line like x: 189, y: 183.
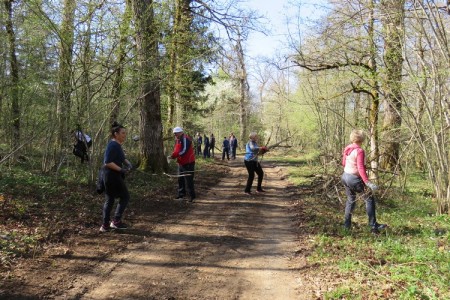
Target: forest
x: 382, y: 66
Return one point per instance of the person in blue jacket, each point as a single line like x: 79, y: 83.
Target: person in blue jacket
x: 225, y: 148
x: 252, y: 150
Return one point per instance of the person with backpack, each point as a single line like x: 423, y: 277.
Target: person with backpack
x: 115, y: 167
x: 355, y: 181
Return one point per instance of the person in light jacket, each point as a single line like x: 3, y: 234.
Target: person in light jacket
x: 252, y: 150
x: 355, y: 181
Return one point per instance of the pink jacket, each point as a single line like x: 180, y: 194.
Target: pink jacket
x: 353, y: 161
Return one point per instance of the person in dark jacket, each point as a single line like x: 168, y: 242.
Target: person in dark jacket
x: 225, y: 148
x: 183, y: 152
x: 212, y: 144
x: 198, y: 143
x: 115, y: 167
x: 206, y: 146
x: 233, y: 146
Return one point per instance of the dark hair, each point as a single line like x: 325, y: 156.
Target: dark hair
x: 115, y: 127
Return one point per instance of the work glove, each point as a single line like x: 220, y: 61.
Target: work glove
x: 124, y: 171
x: 372, y: 186
x: 264, y: 150
x: 129, y: 166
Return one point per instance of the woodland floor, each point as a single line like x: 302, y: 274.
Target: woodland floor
x: 225, y: 245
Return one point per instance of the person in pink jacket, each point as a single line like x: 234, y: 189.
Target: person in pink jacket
x: 355, y: 180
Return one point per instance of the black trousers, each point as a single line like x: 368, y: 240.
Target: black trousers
x: 115, y: 187
x: 252, y: 168
x: 226, y: 151
x: 186, y: 181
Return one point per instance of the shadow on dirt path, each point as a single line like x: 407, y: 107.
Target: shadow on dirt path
x: 226, y: 245
x: 229, y: 246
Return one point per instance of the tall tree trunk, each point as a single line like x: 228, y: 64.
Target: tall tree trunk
x: 243, y: 89
x: 374, y: 95
x: 183, y: 64
x: 121, y: 56
x: 147, y: 37
x: 15, y: 106
x: 65, y: 74
x: 393, y: 25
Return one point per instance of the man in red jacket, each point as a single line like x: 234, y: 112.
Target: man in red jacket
x: 184, y: 153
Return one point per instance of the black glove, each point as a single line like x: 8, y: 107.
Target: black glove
x: 124, y: 171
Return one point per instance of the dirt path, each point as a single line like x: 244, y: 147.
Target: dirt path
x: 228, y: 246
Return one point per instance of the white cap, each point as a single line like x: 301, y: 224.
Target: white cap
x: 177, y: 129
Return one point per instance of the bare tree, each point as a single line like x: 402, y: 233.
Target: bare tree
x: 345, y: 48
x: 393, y: 24
x: 425, y: 98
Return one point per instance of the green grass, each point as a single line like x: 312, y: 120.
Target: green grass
x: 409, y: 260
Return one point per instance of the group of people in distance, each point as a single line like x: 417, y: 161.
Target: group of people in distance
x: 229, y: 146
x: 204, y: 146
x: 208, y: 145
x: 116, y: 166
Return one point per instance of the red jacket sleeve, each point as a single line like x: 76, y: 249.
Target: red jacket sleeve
x: 360, y: 158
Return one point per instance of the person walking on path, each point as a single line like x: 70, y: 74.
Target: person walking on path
x: 183, y: 152
x: 212, y: 144
x: 355, y: 181
x: 225, y: 148
x: 206, y: 146
x: 252, y: 150
x: 233, y: 146
x: 115, y: 167
x: 198, y: 142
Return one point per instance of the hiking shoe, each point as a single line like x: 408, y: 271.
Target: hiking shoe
x: 376, y: 229
x: 260, y: 191
x: 379, y: 226
x: 118, y: 225
x: 248, y: 193
x: 191, y: 199
x: 179, y: 197
x: 105, y: 228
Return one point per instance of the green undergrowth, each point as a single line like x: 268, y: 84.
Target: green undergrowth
x: 38, y: 208
x: 408, y: 260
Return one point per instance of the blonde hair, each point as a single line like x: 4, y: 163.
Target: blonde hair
x: 357, y: 136
x: 252, y: 135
